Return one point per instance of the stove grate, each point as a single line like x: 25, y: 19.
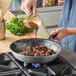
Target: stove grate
x: 13, y: 67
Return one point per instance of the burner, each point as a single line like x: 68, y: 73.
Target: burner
x: 25, y: 64
x: 33, y: 65
x: 36, y: 65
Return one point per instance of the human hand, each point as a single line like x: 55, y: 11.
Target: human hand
x: 29, y: 6
x: 61, y: 33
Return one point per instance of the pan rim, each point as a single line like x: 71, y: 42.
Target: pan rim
x: 36, y: 56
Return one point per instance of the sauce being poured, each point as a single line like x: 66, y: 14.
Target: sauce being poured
x: 35, y: 39
x: 35, y: 27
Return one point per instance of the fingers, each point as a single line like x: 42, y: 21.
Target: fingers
x: 29, y: 6
x: 57, y: 38
x: 26, y: 5
x: 27, y: 9
x: 61, y: 33
x: 56, y: 31
x: 23, y: 8
x: 34, y: 8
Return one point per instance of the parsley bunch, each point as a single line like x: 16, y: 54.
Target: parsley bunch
x: 17, y: 27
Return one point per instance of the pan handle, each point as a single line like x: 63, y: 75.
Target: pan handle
x: 52, y: 36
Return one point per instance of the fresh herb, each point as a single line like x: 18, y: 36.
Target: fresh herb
x: 17, y: 27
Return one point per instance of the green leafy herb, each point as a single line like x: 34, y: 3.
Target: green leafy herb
x: 17, y: 27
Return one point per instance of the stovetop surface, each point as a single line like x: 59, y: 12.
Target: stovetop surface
x: 9, y: 66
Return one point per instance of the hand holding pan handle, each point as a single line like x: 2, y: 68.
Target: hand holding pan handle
x: 52, y: 36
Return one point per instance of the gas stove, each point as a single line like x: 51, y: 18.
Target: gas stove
x: 9, y: 66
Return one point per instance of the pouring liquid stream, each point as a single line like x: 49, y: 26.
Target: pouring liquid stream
x: 35, y: 27
x: 35, y: 36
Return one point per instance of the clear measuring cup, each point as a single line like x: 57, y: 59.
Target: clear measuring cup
x: 32, y: 21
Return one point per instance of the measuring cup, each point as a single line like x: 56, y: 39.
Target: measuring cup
x: 32, y: 21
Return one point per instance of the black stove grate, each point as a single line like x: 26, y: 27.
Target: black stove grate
x: 9, y: 66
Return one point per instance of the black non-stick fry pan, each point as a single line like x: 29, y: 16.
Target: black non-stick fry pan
x: 18, y: 45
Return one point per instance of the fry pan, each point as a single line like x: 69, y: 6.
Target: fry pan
x: 18, y: 45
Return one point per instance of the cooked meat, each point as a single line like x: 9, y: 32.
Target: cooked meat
x: 37, y: 47
x: 47, y: 53
x: 42, y: 54
x: 49, y: 50
x: 35, y: 50
x: 37, y: 54
x: 38, y: 51
x: 28, y: 48
x: 53, y: 52
x: 21, y: 52
x: 42, y: 46
x: 28, y: 52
